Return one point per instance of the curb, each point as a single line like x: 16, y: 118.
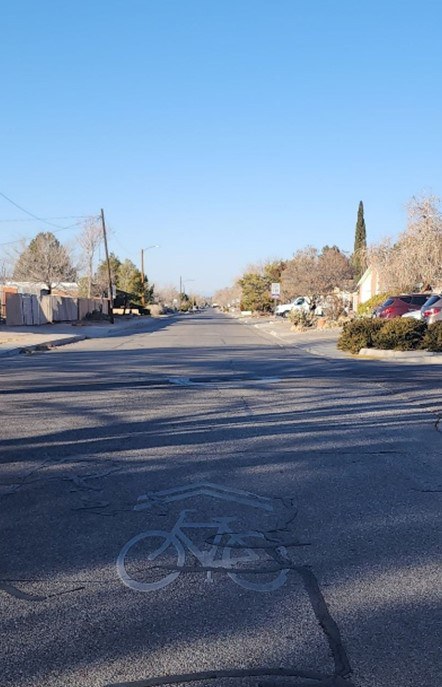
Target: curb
x: 44, y: 345
x: 426, y: 357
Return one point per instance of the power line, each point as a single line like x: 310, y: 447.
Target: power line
x: 25, y: 238
x: 45, y: 219
x: 31, y: 214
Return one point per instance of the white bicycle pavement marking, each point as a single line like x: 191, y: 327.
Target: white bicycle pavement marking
x: 227, y: 550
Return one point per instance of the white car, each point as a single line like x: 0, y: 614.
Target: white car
x: 415, y: 314
x: 300, y: 303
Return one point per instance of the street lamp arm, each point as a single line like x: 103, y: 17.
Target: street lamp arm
x: 143, y: 299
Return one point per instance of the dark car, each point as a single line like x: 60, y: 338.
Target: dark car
x: 396, y: 306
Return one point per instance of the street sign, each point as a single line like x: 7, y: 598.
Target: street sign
x: 275, y: 290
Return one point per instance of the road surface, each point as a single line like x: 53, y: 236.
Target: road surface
x: 200, y: 504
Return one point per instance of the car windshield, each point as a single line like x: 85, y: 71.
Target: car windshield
x: 389, y: 301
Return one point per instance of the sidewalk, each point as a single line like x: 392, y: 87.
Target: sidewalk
x: 14, y: 340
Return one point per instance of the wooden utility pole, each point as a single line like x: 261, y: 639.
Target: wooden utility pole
x: 109, y: 273
x: 143, y: 303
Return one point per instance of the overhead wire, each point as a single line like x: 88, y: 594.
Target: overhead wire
x: 25, y: 238
x: 40, y: 219
x: 27, y: 212
x: 45, y: 219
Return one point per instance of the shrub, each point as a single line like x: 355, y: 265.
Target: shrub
x: 432, y: 340
x: 156, y: 309
x: 400, y: 334
x: 185, y: 306
x: 333, y: 307
x: 301, y: 319
x: 367, y: 308
x: 96, y: 316
x: 359, y: 334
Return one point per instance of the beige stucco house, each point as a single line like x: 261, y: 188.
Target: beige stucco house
x: 367, y: 286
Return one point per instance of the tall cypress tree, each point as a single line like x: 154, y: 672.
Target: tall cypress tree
x: 360, y: 246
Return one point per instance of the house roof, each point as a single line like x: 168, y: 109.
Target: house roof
x: 365, y: 276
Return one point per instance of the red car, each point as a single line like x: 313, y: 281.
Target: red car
x: 396, y: 306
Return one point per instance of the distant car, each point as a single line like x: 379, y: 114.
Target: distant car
x: 396, y: 306
x: 300, y: 303
x: 432, y: 311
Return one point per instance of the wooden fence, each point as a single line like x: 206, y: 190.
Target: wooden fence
x: 26, y: 309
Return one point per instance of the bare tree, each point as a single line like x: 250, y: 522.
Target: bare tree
x: 168, y: 295
x: 4, y: 271
x: 90, y: 240
x: 229, y: 296
x: 316, y: 273
x: 298, y: 277
x: 421, y: 243
x: 414, y: 261
x: 334, y: 270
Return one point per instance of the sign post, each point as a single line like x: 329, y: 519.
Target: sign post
x: 276, y: 293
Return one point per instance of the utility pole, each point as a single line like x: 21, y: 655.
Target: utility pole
x: 109, y: 274
x: 142, y: 278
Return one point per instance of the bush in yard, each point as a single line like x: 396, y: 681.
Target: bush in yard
x: 400, y: 334
x: 366, y: 309
x: 432, y: 340
x: 359, y: 334
x: 301, y: 319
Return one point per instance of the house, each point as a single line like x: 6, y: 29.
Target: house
x: 68, y: 289
x: 368, y: 285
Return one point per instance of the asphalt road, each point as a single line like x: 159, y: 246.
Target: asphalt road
x: 201, y: 504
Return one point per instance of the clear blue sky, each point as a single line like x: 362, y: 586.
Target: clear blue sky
x: 227, y: 131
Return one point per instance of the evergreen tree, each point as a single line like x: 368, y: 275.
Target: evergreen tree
x: 101, y: 279
x: 255, y: 292
x: 360, y: 246
x: 126, y: 277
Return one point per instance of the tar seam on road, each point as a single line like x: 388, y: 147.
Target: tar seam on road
x: 24, y: 596
x: 317, y: 679
x: 331, y: 630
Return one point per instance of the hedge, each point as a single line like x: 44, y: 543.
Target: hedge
x: 399, y: 334
x: 358, y: 334
x: 432, y: 340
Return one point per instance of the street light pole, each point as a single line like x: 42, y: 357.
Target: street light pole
x: 142, y: 273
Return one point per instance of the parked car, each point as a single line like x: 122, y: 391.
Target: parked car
x: 415, y: 314
x: 419, y: 314
x: 432, y: 311
x: 300, y: 303
x: 396, y: 306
